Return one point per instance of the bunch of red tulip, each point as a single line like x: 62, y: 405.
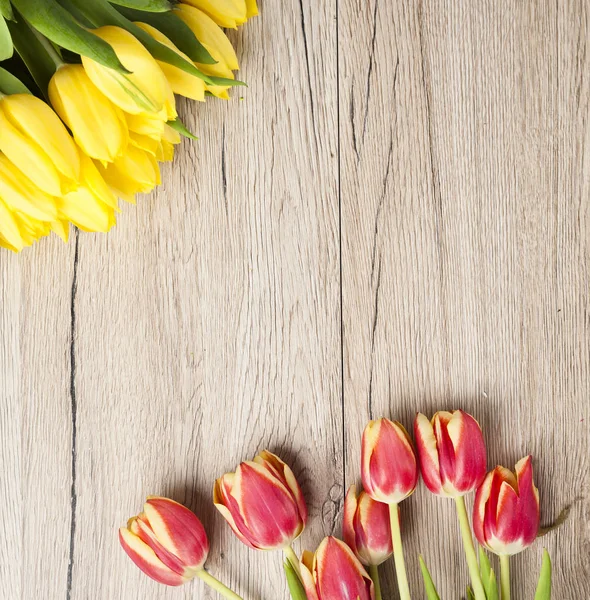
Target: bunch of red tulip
x: 263, y: 504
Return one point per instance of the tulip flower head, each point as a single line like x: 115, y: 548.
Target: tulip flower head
x: 506, y: 513
x: 167, y: 542
x: 334, y: 573
x: 262, y: 502
x: 366, y: 528
x: 452, y: 452
x: 389, y: 467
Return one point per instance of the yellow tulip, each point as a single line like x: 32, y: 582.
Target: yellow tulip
x: 85, y: 210
x: 36, y: 142
x: 145, y: 89
x: 19, y: 193
x: 182, y: 83
x: 98, y: 125
x: 226, y: 13
x: 216, y: 43
x: 135, y: 172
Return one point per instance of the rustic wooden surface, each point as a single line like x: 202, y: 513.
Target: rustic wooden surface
x: 395, y: 218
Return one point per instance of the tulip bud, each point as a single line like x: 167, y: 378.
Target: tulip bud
x: 145, y: 89
x: 389, y: 466
x: 38, y: 144
x: 167, y: 541
x: 262, y: 502
x: 366, y: 528
x: 506, y: 512
x: 452, y: 452
x: 97, y: 124
x: 334, y: 573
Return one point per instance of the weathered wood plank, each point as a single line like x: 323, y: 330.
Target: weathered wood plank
x: 35, y: 420
x: 465, y: 180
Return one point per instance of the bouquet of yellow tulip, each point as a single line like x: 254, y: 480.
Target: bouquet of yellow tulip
x: 264, y: 506
x: 87, y: 106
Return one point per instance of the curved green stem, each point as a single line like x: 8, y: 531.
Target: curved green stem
x: 292, y: 558
x: 217, y: 585
x: 505, y: 576
x: 374, y: 573
x: 398, y: 553
x: 469, y: 550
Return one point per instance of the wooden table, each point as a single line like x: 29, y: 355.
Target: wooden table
x: 394, y: 218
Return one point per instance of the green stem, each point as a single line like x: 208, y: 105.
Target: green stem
x: 374, y: 573
x: 469, y: 550
x: 292, y: 558
x: 217, y: 585
x: 398, y: 553
x: 505, y: 576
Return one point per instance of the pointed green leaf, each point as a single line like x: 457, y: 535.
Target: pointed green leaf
x: 33, y: 52
x: 6, y: 10
x: 429, y: 587
x: 9, y: 84
x: 488, y: 577
x: 6, y: 47
x: 470, y: 594
x: 57, y: 24
x: 156, y: 6
x: 544, y: 586
x: 179, y: 126
x: 295, y: 586
x: 176, y: 30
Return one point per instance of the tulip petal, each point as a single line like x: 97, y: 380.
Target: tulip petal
x: 306, y: 566
x: 225, y: 13
x: 179, y: 530
x: 36, y: 120
x: 267, y: 507
x: 9, y: 228
x: 392, y: 472
x: 348, y: 519
x: 428, y: 453
x: 339, y: 575
x: 145, y: 558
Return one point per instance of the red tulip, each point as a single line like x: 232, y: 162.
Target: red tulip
x: 366, y: 528
x: 334, y: 573
x: 452, y: 452
x: 389, y: 467
x: 506, y: 512
x: 262, y: 502
x: 166, y: 541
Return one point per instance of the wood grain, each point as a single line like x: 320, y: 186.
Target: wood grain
x: 393, y: 218
x: 465, y: 229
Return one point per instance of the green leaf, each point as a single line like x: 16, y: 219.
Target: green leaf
x: 429, y: 587
x: 488, y: 577
x: 544, y: 586
x: 176, y: 30
x: 100, y: 12
x: 57, y: 24
x: 179, y: 126
x: 470, y: 594
x: 295, y: 586
x: 6, y: 10
x: 9, y: 84
x: 33, y: 53
x: 156, y: 6
x: 6, y: 47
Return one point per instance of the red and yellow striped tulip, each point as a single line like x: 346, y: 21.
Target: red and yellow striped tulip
x: 262, y: 502
x: 334, y: 573
x: 506, y: 512
x: 389, y: 467
x: 366, y: 528
x: 166, y: 541
x: 452, y: 452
